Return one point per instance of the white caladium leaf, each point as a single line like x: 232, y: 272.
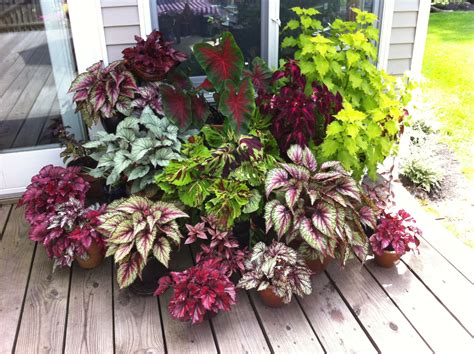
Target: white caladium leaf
x: 162, y: 251
x: 308, y: 160
x: 268, y: 214
x: 324, y: 218
x: 276, y: 178
x: 295, y: 153
x: 292, y: 195
x: 299, y: 173
x: 281, y: 218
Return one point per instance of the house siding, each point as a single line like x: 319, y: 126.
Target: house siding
x: 121, y: 23
x: 405, y: 24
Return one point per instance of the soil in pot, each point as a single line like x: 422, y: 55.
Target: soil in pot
x: 241, y: 232
x: 95, y: 257
x: 316, y: 266
x: 388, y: 259
x: 110, y: 124
x: 270, y: 299
x: 148, y: 283
x: 96, y: 190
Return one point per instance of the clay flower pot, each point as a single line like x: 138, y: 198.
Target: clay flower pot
x: 270, y: 299
x: 95, y: 257
x: 316, y: 266
x: 388, y: 259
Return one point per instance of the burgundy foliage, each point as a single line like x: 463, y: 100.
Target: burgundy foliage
x: 223, y: 245
x: 202, y: 288
x: 153, y: 56
x: 395, y: 232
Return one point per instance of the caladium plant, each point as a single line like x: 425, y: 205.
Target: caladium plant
x: 53, y: 185
x: 103, y: 92
x: 322, y: 205
x: 140, y: 147
x: 396, y: 231
x: 137, y: 228
x: 278, y: 266
x: 153, y: 58
x: 223, y: 245
x: 69, y: 231
x: 202, y: 288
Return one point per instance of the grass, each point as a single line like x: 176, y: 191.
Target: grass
x: 448, y: 66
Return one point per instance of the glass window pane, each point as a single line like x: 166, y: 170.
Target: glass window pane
x: 36, y: 69
x: 186, y: 22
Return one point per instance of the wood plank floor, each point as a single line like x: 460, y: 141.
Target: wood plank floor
x: 362, y: 308
x: 28, y: 100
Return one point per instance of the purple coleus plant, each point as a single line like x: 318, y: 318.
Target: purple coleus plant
x: 320, y: 205
x: 222, y: 244
x: 396, y: 231
x: 103, y: 92
x: 297, y: 117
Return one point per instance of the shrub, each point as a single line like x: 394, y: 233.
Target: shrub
x: 422, y: 174
x: 137, y: 228
x: 199, y: 289
x: 278, y: 266
x: 395, y: 232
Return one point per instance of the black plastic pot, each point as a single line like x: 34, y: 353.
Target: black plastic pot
x: 110, y: 124
x: 152, y: 272
x: 241, y: 232
x: 115, y: 193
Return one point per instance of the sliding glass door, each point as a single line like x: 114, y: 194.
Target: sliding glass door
x: 36, y: 68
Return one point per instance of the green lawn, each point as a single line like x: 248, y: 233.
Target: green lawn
x: 448, y: 66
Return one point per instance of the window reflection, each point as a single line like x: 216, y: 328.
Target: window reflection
x: 186, y: 22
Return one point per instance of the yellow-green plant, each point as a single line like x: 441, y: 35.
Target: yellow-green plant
x: 343, y: 58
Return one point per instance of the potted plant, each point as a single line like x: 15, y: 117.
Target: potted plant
x: 137, y: 231
x: 199, y: 292
x: 277, y: 272
x: 222, y: 244
x: 395, y: 234
x: 137, y: 151
x: 319, y: 208
x: 104, y: 94
x: 153, y: 58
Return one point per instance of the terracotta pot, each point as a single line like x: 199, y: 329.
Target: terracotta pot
x: 147, y: 76
x: 95, y: 257
x: 270, y: 299
x: 148, y: 283
x: 316, y: 266
x: 388, y: 259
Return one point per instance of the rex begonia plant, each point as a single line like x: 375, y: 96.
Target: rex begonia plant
x: 277, y: 266
x: 223, y: 245
x: 53, y: 185
x: 137, y: 228
x: 69, y: 231
x: 202, y: 288
x: 322, y: 205
x: 396, y: 231
x: 103, y: 92
x: 152, y: 58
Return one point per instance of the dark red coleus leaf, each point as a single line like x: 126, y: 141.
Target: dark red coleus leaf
x: 177, y: 105
x: 237, y: 103
x: 222, y: 62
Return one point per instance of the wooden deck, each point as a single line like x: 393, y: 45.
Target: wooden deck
x: 425, y: 304
x: 28, y: 100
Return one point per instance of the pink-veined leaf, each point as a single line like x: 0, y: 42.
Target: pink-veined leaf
x: 112, y: 89
x: 177, y: 105
x: 96, y: 67
x: 144, y: 243
x: 313, y: 237
x: 122, y: 251
x: 349, y: 188
x: 163, y: 284
x: 367, y: 217
x: 295, y: 154
x: 128, y: 82
x: 299, y: 173
x: 169, y: 212
x: 133, y: 204
x: 128, y: 271
x: 237, y: 104
x: 275, y: 179
x: 122, y: 234
x: 82, y: 82
x: 162, y: 251
x: 292, y: 195
x: 98, y: 95
x: 200, y: 109
x: 324, y: 218
x: 309, y: 161
x: 222, y: 62
x: 268, y: 214
x: 179, y: 79
x: 260, y: 74
x: 281, y: 218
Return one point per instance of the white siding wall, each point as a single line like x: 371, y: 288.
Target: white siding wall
x: 121, y: 23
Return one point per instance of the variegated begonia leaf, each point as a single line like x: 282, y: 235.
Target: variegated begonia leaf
x: 324, y: 218
x: 281, y: 218
x: 162, y: 251
x: 276, y: 178
x: 268, y: 213
x: 292, y: 195
x: 128, y: 271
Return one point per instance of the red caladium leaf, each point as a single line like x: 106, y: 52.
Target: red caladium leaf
x: 163, y: 284
x: 200, y: 109
x: 260, y: 74
x: 179, y: 79
x: 275, y: 179
x: 98, y: 95
x: 324, y: 218
x: 222, y: 62
x: 177, y: 105
x: 128, y: 271
x: 237, y: 103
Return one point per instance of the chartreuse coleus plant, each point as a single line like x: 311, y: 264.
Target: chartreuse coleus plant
x: 103, y: 92
x: 277, y: 266
x: 321, y: 205
x: 233, y: 91
x: 140, y: 147
x: 223, y: 182
x: 137, y: 228
x: 343, y: 58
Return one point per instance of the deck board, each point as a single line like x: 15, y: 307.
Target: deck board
x: 4, y: 213
x: 359, y: 309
